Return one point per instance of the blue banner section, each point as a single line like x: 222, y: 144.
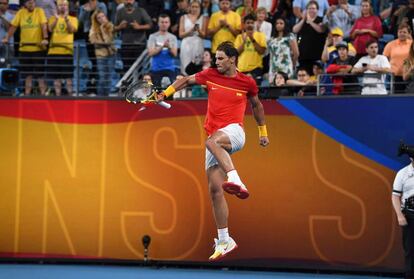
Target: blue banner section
x: 371, y: 126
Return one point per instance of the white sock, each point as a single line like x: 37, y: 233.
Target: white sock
x: 223, y: 234
x: 232, y: 176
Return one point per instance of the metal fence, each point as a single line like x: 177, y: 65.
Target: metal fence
x: 79, y: 74
x: 84, y: 74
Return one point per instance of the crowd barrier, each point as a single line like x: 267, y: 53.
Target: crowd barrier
x: 86, y: 74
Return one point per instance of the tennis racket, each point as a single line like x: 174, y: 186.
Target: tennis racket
x: 144, y: 93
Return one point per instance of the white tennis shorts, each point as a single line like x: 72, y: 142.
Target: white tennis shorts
x: 237, y: 140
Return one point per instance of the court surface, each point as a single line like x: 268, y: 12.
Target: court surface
x: 47, y: 271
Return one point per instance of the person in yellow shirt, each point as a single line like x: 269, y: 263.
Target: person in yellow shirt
x: 224, y: 25
x: 60, y: 56
x: 33, y: 41
x: 251, y: 46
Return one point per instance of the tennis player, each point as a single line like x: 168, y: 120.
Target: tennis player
x: 228, y: 92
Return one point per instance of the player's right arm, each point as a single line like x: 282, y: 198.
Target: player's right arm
x: 176, y: 86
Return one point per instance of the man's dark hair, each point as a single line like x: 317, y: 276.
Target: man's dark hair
x: 370, y: 42
x: 301, y: 69
x: 163, y: 16
x: 249, y: 17
x: 228, y: 49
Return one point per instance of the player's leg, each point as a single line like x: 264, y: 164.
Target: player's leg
x: 219, y: 145
x: 216, y: 176
x: 223, y: 142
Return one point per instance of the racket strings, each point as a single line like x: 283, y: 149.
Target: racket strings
x: 139, y: 92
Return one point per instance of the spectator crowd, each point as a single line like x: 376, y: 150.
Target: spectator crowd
x: 338, y: 46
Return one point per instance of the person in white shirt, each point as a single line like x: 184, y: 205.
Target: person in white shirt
x: 403, y: 204
x: 372, y: 64
x: 262, y: 25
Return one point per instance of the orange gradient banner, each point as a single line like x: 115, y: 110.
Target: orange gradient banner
x: 81, y: 178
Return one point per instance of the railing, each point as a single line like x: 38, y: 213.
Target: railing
x: 86, y: 75
x: 82, y: 72
x: 354, y: 84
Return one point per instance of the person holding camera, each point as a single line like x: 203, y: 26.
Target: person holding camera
x: 193, y: 28
x: 403, y: 204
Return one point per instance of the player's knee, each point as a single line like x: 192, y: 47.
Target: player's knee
x: 211, y: 143
x: 216, y: 192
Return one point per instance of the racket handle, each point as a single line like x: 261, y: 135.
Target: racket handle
x: 165, y: 104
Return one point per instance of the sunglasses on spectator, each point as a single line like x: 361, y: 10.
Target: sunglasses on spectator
x: 3, y: 3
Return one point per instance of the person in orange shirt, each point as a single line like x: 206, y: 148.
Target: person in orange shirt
x: 397, y: 51
x: 228, y: 93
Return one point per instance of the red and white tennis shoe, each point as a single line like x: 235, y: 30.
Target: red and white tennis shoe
x: 239, y: 190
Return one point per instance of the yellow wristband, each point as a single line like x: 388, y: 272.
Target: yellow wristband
x: 169, y: 91
x: 262, y: 131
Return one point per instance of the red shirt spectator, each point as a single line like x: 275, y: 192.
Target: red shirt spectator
x: 366, y: 28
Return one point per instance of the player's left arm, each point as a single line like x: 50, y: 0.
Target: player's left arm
x: 258, y: 113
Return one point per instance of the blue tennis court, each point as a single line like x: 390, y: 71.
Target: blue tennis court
x: 47, y: 271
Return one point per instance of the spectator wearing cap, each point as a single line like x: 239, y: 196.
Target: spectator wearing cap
x: 374, y: 67
x: 329, y: 50
x: 366, y: 28
x: 397, y: 51
x: 342, y: 16
x: 33, y: 41
x: 14, y: 6
x: 341, y: 66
